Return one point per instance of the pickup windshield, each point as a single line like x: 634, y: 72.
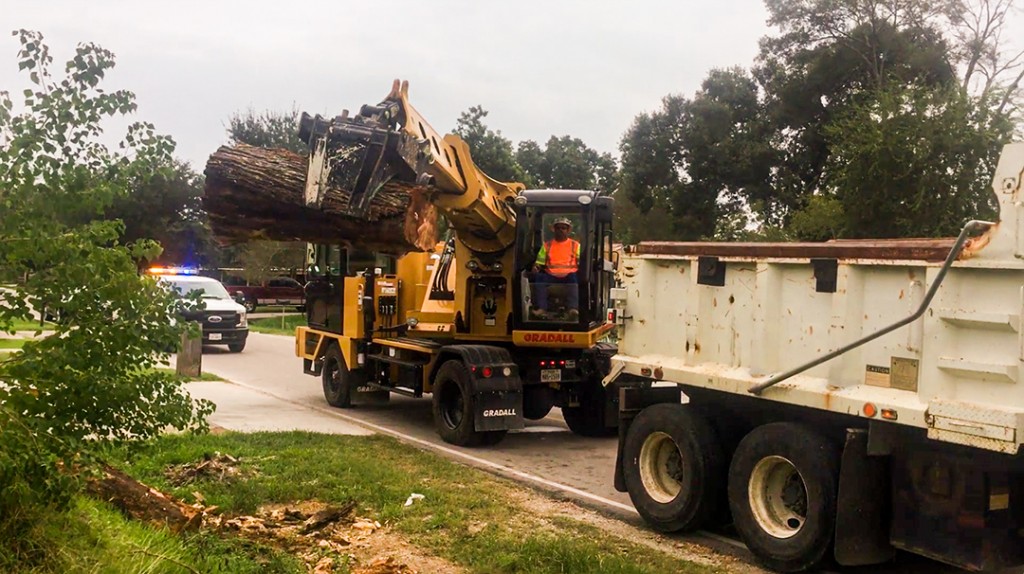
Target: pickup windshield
x: 209, y: 289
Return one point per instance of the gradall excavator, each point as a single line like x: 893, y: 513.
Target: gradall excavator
x: 459, y: 321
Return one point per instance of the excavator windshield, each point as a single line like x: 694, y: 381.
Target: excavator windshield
x: 562, y: 279
x: 554, y: 276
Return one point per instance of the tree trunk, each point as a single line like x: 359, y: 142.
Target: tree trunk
x: 141, y: 502
x: 256, y: 193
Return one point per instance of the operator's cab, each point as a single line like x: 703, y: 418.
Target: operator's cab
x: 563, y: 260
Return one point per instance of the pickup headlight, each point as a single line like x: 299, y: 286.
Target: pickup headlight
x: 243, y: 321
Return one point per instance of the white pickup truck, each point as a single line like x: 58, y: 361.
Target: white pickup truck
x: 838, y: 400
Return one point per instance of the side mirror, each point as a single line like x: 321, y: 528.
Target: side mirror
x: 239, y: 296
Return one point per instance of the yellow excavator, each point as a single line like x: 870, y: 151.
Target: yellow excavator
x: 476, y: 322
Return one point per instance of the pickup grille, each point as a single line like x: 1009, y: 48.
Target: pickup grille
x: 214, y: 320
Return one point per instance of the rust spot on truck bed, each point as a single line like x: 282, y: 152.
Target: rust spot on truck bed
x: 975, y: 245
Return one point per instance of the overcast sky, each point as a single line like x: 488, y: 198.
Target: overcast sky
x: 583, y: 67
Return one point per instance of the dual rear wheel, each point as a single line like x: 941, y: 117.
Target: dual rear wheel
x: 780, y: 486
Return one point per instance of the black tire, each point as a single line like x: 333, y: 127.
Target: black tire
x: 491, y: 438
x: 453, y: 406
x: 537, y: 402
x: 236, y: 347
x: 783, y: 482
x: 588, y: 419
x: 674, y: 468
x: 338, y: 380
x: 250, y: 304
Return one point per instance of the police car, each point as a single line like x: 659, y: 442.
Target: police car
x: 224, y: 320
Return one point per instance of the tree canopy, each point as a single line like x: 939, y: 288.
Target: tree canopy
x: 793, y: 139
x: 490, y: 150
x: 165, y: 206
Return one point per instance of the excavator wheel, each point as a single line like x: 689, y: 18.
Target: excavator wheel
x: 588, y: 418
x: 453, y: 408
x: 338, y: 381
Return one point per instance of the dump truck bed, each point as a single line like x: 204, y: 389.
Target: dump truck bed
x: 727, y: 316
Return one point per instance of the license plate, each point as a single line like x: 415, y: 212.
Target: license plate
x: 550, y: 375
x: 215, y: 336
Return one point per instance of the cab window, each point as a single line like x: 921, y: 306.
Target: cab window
x: 551, y: 280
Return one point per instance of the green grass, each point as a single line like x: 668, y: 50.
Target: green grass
x: 468, y: 517
x: 284, y: 325
x: 22, y: 325
x: 204, y: 376
x: 12, y: 343
x: 93, y: 538
x: 277, y: 309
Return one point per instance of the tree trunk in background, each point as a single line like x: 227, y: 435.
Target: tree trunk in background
x: 255, y: 193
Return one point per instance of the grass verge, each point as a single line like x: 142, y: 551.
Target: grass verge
x: 467, y: 516
x: 283, y: 325
x: 280, y: 309
x: 91, y: 537
x: 12, y: 343
x: 204, y: 376
x: 22, y: 325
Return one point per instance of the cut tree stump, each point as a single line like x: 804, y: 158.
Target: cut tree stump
x: 255, y: 193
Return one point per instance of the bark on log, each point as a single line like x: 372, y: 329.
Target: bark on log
x: 256, y: 193
x: 142, y: 502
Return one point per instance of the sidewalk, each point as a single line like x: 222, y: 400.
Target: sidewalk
x: 246, y: 410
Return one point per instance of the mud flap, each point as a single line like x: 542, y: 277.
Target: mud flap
x: 498, y: 404
x: 862, y: 512
x: 367, y: 396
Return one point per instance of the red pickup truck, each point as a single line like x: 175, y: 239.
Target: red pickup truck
x: 282, y: 291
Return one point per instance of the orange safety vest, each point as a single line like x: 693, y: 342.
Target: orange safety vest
x: 560, y: 258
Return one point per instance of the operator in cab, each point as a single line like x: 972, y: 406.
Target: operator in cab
x: 557, y: 263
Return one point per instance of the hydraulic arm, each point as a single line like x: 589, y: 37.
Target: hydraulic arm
x: 392, y: 142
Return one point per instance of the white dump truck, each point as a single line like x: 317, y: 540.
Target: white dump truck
x: 838, y: 400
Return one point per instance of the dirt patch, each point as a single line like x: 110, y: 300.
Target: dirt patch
x: 329, y: 538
